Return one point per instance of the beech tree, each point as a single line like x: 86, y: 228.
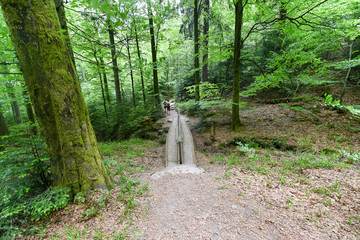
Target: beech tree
x: 14, y: 103
x: 4, y: 130
x: 196, y: 50
x: 204, y: 70
x: 54, y: 89
x: 295, y: 13
x: 153, y: 54
x: 114, y: 62
x: 139, y: 61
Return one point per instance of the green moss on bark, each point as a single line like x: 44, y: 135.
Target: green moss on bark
x: 55, y: 92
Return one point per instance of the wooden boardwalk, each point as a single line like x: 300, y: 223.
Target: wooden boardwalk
x: 179, y: 144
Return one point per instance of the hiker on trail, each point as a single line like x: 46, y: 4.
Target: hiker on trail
x: 168, y: 107
x: 165, y: 104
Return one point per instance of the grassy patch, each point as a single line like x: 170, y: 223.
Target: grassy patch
x: 122, y: 161
x: 282, y: 164
x: 132, y: 147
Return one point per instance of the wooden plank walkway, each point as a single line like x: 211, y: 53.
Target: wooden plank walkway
x: 179, y: 144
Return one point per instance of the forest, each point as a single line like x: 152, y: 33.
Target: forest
x: 271, y: 89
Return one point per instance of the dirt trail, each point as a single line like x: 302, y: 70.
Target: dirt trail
x: 190, y: 206
x: 199, y: 204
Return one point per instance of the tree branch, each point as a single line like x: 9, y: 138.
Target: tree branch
x: 308, y: 11
x: 258, y: 66
x: 7, y: 73
x: 294, y: 20
x: 84, y: 12
x: 86, y: 36
x: 246, y: 2
x: 6, y: 63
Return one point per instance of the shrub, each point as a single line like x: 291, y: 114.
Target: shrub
x: 25, y: 180
x: 122, y: 122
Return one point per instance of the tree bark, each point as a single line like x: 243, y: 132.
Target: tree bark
x: 4, y: 130
x: 101, y: 83
x: 204, y: 72
x: 140, y: 62
x: 115, y: 64
x: 238, y: 44
x: 14, y: 104
x: 55, y: 91
x: 131, y: 71
x: 196, y: 51
x: 62, y: 19
x: 347, y: 74
x: 277, y: 35
x: 106, y: 85
x: 153, y: 54
x: 30, y: 112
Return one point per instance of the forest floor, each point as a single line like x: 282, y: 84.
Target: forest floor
x: 285, y: 180
x: 291, y: 172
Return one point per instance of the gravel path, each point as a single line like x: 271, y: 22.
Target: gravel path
x: 188, y: 202
x: 193, y: 206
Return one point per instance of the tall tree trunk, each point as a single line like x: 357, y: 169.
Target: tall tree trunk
x: 204, y: 73
x: 219, y: 76
x: 196, y: 51
x: 103, y: 76
x: 277, y: 35
x: 101, y: 84
x: 153, y: 54
x: 14, y: 104
x: 115, y: 64
x: 106, y: 85
x: 62, y: 19
x: 4, y: 130
x: 29, y: 111
x: 238, y: 44
x: 347, y: 73
x: 55, y: 91
x: 167, y: 71
x: 131, y: 71
x: 140, y: 62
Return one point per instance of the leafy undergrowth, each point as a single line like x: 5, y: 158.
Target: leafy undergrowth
x: 24, y: 182
x: 106, y: 214
x: 300, y: 160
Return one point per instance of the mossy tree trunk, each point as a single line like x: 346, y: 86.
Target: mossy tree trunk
x: 238, y: 44
x: 60, y: 10
x: 55, y: 91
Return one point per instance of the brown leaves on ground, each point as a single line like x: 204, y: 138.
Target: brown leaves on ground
x: 309, y: 203
x: 241, y: 201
